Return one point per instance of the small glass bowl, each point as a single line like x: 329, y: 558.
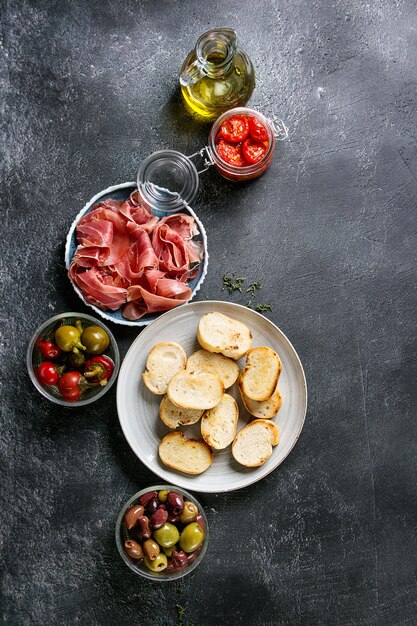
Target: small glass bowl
x: 247, y: 172
x: 34, y: 359
x: 138, y: 566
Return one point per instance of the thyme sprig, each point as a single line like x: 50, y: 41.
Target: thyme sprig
x: 263, y: 307
x: 233, y: 284
x: 253, y: 287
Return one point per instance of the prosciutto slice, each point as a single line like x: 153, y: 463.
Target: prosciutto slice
x: 127, y: 257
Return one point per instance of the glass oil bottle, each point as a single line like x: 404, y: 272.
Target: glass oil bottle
x: 217, y: 75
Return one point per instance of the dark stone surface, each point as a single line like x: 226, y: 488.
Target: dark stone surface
x: 89, y: 89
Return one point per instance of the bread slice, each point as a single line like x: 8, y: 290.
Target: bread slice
x: 264, y: 409
x: 185, y: 455
x: 259, y: 377
x: 219, y: 333
x: 192, y: 390
x: 204, y: 361
x: 253, y: 444
x: 218, y: 425
x: 164, y: 360
x: 174, y: 416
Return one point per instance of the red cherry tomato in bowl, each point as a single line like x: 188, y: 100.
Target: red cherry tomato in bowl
x: 48, y: 349
x: 253, y: 151
x: 235, y: 128
x: 257, y: 130
x: 230, y: 153
x: 47, y: 373
x: 69, y: 385
x: 99, y: 369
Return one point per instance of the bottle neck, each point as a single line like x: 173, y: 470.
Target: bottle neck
x: 215, y: 51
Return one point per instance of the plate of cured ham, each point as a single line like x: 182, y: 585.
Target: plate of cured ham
x: 129, y: 262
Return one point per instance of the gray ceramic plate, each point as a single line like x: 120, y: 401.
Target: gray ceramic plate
x: 138, y: 408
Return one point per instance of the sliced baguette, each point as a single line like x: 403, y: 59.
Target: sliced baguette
x: 253, y: 444
x: 192, y: 390
x: 219, y: 333
x: 259, y: 377
x: 164, y: 360
x: 185, y: 455
x: 218, y: 425
x: 174, y: 416
x: 204, y: 361
x: 264, y: 409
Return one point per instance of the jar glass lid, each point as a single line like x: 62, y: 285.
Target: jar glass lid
x: 167, y: 180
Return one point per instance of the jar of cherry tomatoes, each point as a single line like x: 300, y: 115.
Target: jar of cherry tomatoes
x: 241, y: 147
x: 242, y: 143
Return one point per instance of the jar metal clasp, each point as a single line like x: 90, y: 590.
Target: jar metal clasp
x: 205, y: 154
x: 279, y: 128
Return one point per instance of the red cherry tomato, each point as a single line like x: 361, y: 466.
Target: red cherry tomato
x: 99, y: 369
x: 253, y: 151
x: 48, y: 349
x: 257, y: 130
x: 235, y: 128
x: 69, y: 385
x: 47, y: 373
x: 230, y: 153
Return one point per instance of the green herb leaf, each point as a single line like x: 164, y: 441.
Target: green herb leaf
x: 263, y: 307
x: 253, y: 287
x: 232, y: 284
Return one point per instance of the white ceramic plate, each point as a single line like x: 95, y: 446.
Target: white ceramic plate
x: 122, y: 192
x: 138, y: 407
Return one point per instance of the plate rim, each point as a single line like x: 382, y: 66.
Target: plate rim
x: 162, y: 474
x: 142, y: 321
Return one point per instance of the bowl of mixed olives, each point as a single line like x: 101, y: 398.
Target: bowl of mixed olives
x: 162, y: 533
x: 73, y: 359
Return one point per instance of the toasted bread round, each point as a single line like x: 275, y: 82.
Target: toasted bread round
x: 204, y: 361
x: 264, y: 409
x: 174, y: 416
x: 218, y: 425
x: 164, y: 360
x: 192, y: 390
x: 219, y: 333
x: 253, y: 444
x: 185, y: 455
x: 259, y: 377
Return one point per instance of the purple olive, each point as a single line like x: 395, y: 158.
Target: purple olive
x: 163, y: 507
x: 172, y: 518
x: 192, y: 557
x: 144, y: 530
x: 151, y: 506
x: 175, y: 503
x: 179, y: 559
x: 158, y: 519
x: 200, y: 522
x: 133, y: 549
x: 132, y: 514
x: 146, y: 497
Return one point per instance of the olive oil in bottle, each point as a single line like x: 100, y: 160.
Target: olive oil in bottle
x: 216, y: 75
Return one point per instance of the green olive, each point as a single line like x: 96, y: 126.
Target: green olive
x: 158, y: 564
x: 67, y: 338
x: 189, y: 513
x: 191, y: 537
x: 167, y: 535
x: 162, y: 495
x: 170, y: 550
x: 95, y: 339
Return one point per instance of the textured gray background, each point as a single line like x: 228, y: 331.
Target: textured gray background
x: 90, y: 88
